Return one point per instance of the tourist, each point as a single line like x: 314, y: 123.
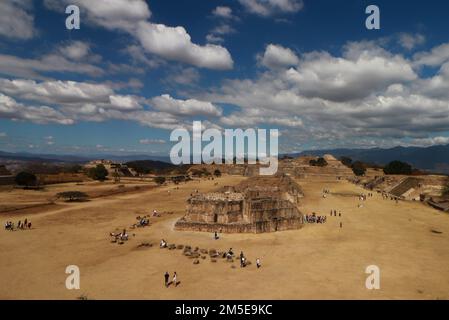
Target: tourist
x: 258, y: 263
x: 166, y: 277
x: 242, y: 259
x: 19, y: 224
x: 175, y: 279
x: 25, y: 223
x: 163, y: 244
x: 216, y: 237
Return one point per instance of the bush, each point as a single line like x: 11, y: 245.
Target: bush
x: 320, y: 162
x: 26, y: 179
x: 73, y: 195
x: 359, y: 168
x: 346, y: 161
x: 98, y: 173
x: 398, y: 167
x: 217, y: 173
x: 159, y: 180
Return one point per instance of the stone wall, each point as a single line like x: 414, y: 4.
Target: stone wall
x: 259, y: 204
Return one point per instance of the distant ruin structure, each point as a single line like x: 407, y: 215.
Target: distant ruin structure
x: 259, y: 204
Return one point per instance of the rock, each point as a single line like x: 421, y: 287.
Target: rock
x: 203, y: 257
x: 172, y: 247
x: 196, y: 261
x: 213, y: 260
x: 203, y: 251
x: 187, y: 253
x: 233, y: 267
x: 180, y: 247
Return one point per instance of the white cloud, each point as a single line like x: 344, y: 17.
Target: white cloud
x: 175, y: 44
x: 11, y: 109
x: 267, y: 8
x: 223, y: 12
x: 75, y: 50
x: 125, y: 102
x: 410, y: 41
x: 276, y: 56
x: 367, y: 96
x: 171, y: 43
x: 33, y: 68
x: 432, y: 141
x: 188, y: 107
x: 15, y: 20
x: 435, y: 57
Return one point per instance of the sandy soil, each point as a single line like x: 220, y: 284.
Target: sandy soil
x: 316, y: 262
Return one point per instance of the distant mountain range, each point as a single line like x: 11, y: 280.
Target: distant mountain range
x: 54, y: 158
x: 433, y: 159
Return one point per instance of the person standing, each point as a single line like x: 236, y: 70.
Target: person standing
x: 166, y: 277
x: 175, y: 279
x: 258, y: 263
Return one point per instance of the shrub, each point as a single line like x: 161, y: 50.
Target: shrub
x: 320, y: 162
x: 359, y: 168
x: 398, y: 167
x: 159, y: 180
x: 73, y: 195
x: 98, y: 173
x: 26, y: 179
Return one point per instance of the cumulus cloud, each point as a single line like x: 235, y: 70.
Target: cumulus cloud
x: 434, y: 57
x: 175, y: 44
x: 187, y: 107
x: 367, y: 96
x: 16, y: 21
x: 171, y: 43
x: 11, y: 109
x: 267, y: 8
x: 276, y: 56
x: 35, y: 68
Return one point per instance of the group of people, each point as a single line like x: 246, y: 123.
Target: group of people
x: 143, y: 221
x: 242, y: 258
x: 313, y: 218
x: 175, y: 281
x: 26, y: 224
x: 123, y: 236
x: 334, y: 213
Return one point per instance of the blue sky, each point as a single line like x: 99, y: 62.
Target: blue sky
x: 138, y: 69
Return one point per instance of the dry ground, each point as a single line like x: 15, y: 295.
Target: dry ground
x: 316, y: 262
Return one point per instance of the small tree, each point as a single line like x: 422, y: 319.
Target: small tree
x: 217, y: 173
x: 398, y: 167
x: 98, y: 173
x: 320, y: 162
x: 159, y: 180
x: 358, y: 168
x: 346, y: 161
x: 26, y: 179
x: 73, y: 196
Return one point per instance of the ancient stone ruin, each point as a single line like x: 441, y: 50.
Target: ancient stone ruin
x: 259, y: 204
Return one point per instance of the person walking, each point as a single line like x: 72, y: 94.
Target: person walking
x: 166, y: 277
